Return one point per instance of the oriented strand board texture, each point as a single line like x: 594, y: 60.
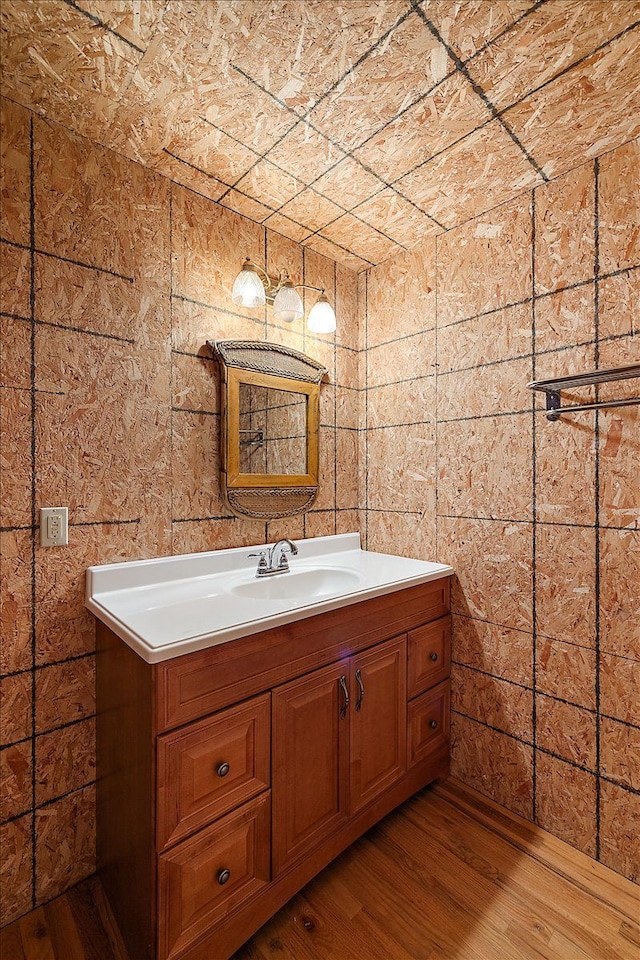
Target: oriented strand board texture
x: 356, y: 127
x: 114, y: 274
x: 540, y: 521
x: 109, y: 404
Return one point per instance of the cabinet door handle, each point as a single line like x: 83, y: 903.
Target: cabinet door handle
x: 223, y: 876
x: 361, y: 687
x: 434, y: 657
x: 223, y: 770
x: 345, y: 697
x: 433, y: 724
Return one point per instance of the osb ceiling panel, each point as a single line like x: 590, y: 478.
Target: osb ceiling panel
x: 355, y: 127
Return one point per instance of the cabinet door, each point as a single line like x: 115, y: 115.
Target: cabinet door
x: 309, y: 756
x: 378, y: 721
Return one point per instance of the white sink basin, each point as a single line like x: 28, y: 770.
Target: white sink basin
x: 299, y: 584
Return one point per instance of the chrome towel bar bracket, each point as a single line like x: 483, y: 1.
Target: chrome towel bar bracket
x: 553, y: 388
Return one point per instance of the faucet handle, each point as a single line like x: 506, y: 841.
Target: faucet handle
x: 262, y: 559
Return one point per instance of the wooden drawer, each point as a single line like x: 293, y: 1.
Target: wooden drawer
x: 428, y: 723
x: 208, y: 768
x: 193, y: 894
x: 428, y: 656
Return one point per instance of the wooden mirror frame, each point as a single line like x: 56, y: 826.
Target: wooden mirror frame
x: 235, y: 477
x: 271, y: 365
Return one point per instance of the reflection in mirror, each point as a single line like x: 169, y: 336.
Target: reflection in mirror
x: 273, y: 431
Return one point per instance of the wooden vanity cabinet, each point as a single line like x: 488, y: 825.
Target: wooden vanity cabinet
x: 227, y: 778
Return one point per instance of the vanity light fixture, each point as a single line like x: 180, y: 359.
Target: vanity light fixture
x: 251, y: 290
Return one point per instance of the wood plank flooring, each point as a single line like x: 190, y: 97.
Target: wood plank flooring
x: 76, y: 926
x: 447, y: 876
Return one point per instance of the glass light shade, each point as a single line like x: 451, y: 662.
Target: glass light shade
x: 248, y: 288
x: 322, y: 319
x: 287, y: 305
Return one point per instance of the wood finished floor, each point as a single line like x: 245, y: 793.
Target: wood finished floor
x: 447, y: 875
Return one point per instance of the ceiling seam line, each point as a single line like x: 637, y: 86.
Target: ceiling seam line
x: 351, y: 253
x: 517, y: 102
x: 360, y: 60
x: 254, y: 165
x: 333, y: 143
x: 247, y: 196
x: 261, y: 156
x: 498, y: 36
x: 100, y: 23
x: 195, y: 167
x: 477, y: 89
x: 230, y: 188
x: 353, y: 210
x: 271, y: 210
x: 299, y: 120
x: 306, y: 186
x: 309, y: 186
x: 231, y: 137
x: 350, y: 210
x: 452, y: 73
x: 400, y: 113
x: 318, y: 233
x: 570, y: 67
x: 352, y: 214
x: 367, y: 169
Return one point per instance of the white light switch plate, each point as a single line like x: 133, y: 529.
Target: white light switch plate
x: 54, y: 526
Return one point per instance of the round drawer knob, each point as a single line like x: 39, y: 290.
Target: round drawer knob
x: 223, y: 877
x: 434, y: 657
x: 223, y: 770
x: 433, y: 724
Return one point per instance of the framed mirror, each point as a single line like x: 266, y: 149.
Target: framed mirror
x: 270, y: 400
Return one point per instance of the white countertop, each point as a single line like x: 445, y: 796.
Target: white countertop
x: 170, y: 606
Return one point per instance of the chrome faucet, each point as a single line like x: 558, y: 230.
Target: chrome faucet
x: 274, y: 560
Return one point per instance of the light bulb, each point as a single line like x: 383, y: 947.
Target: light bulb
x: 322, y: 319
x: 248, y: 288
x: 287, y: 305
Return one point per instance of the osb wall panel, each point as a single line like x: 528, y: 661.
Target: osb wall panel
x: 398, y: 328
x: 113, y: 280
x: 540, y: 521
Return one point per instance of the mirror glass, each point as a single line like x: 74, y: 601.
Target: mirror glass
x: 272, y: 431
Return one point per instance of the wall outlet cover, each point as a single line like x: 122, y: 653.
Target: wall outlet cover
x: 54, y: 526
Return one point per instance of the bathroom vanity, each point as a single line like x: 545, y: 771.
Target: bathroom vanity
x: 248, y: 732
